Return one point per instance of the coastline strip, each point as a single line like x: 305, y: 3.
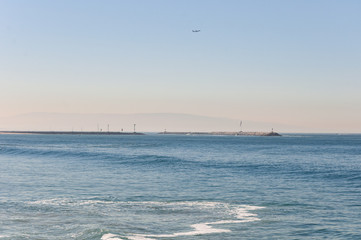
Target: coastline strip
x: 71, y: 133
x: 270, y: 134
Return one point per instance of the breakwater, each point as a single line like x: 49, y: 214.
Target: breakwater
x: 71, y: 132
x: 270, y: 134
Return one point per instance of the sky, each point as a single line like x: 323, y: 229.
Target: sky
x: 287, y: 62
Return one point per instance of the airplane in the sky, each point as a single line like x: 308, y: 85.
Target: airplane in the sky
x: 196, y: 30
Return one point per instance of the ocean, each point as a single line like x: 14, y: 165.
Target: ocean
x: 298, y: 186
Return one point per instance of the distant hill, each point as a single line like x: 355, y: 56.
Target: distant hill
x: 148, y: 122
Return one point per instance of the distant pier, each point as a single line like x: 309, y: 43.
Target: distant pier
x: 71, y: 133
x: 268, y: 134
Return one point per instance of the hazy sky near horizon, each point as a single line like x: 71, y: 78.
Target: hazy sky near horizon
x: 293, y: 62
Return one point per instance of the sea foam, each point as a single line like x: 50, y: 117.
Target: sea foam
x: 239, y: 213
x: 225, y: 212
x: 110, y: 236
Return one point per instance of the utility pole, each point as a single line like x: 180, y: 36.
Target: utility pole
x: 134, y: 127
x: 108, y: 127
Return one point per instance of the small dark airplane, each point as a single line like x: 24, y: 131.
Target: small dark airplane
x: 196, y: 30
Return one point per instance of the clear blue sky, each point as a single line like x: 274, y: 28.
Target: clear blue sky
x: 293, y: 62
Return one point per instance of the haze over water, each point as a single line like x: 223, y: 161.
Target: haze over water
x: 294, y: 63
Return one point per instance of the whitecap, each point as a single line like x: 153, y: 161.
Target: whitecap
x: 69, y: 202
x: 139, y: 237
x: 239, y: 212
x: 110, y: 236
x: 222, y: 213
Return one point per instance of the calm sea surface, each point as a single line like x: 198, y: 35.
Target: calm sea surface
x: 180, y: 187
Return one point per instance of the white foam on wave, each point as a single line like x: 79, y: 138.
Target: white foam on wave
x: 187, y: 204
x: 225, y: 212
x: 139, y: 237
x: 199, y: 229
x: 54, y: 201
x: 110, y: 236
x: 241, y: 213
x: 91, y: 202
x: 73, y: 202
x: 69, y: 202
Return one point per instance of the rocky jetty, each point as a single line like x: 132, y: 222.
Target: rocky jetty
x: 268, y: 134
x: 71, y: 132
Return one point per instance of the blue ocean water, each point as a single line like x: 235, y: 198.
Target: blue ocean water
x: 297, y: 186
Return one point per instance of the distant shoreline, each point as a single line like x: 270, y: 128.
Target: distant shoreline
x: 71, y: 133
x: 268, y: 134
